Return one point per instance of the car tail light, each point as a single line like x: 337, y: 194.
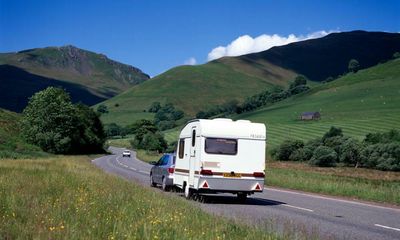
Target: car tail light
x: 206, y: 172
x: 259, y: 174
x: 171, y: 170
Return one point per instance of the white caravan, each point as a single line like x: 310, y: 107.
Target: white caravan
x: 221, y: 155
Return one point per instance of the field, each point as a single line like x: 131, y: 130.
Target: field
x: 12, y: 145
x: 360, y: 103
x: 194, y: 88
x: 362, y: 184
x: 66, y: 197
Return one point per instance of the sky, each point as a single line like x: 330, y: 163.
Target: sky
x: 158, y: 35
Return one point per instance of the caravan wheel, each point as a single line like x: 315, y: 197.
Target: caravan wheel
x: 242, y: 197
x: 188, y: 192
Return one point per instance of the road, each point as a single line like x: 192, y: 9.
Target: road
x: 301, y: 214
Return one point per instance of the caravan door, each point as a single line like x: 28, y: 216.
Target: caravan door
x: 192, y: 157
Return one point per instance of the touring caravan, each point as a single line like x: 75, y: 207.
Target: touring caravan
x: 221, y: 156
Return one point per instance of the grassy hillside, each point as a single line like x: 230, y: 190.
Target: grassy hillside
x: 12, y: 145
x: 367, y: 101
x: 194, y: 88
x: 88, y: 76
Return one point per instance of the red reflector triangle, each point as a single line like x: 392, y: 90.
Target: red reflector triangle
x: 205, y: 184
x: 258, y: 187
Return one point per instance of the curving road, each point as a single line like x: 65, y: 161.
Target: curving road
x: 301, y: 214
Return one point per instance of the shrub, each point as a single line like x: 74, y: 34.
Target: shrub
x: 324, y: 157
x: 382, y: 156
x: 301, y: 154
x: 283, y: 151
x: 354, y: 65
x: 102, y: 109
x: 333, y: 132
x: 335, y: 142
x: 350, y: 152
x: 154, y: 107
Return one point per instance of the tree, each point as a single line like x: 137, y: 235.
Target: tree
x: 114, y: 129
x: 299, y: 80
x: 154, y: 107
x: 91, y: 131
x: 353, y: 66
x: 53, y: 123
x: 154, y: 142
x: 396, y: 55
x: 350, y: 152
x: 284, y: 150
x: 102, y: 109
x: 324, y: 157
x: 333, y: 132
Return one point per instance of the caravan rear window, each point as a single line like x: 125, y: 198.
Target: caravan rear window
x: 221, y: 146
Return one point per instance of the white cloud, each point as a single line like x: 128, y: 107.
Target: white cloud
x: 190, y: 61
x: 246, y: 44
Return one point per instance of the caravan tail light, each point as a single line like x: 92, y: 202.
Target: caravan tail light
x: 259, y: 174
x: 206, y: 172
x: 171, y: 170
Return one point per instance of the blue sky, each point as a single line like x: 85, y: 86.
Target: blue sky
x: 158, y: 35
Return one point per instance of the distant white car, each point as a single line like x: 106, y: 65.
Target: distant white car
x: 126, y: 153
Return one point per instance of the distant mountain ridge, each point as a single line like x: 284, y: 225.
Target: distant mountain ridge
x: 200, y: 87
x: 95, y: 74
x: 326, y: 57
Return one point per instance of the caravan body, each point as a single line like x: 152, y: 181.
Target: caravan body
x: 221, y: 155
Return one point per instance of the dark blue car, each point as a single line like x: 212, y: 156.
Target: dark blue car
x: 162, y: 172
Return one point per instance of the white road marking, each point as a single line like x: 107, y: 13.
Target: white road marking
x: 300, y: 208
x: 144, y: 172
x: 131, y: 168
x: 333, y: 199
x: 391, y: 228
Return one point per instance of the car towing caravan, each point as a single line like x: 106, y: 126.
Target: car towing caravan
x: 221, y: 156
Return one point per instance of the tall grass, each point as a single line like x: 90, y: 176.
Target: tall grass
x: 69, y: 198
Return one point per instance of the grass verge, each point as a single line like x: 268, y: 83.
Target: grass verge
x: 69, y: 198
x: 362, y: 184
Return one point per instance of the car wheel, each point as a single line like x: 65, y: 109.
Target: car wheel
x: 164, y: 185
x: 152, y: 183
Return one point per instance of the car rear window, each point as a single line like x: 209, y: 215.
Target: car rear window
x: 221, y: 146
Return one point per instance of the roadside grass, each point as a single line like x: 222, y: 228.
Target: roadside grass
x: 66, y: 197
x: 121, y: 142
x: 148, y: 156
x: 362, y: 184
x: 12, y: 144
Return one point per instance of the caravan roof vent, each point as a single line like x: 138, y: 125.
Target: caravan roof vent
x: 243, y: 121
x: 223, y: 119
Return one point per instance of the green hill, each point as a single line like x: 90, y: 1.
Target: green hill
x: 89, y: 77
x: 192, y: 88
x: 195, y: 88
x: 12, y: 145
x: 360, y: 103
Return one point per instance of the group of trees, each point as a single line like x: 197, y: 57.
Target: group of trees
x: 165, y: 116
x: 52, y: 122
x: 378, y: 150
x: 147, y: 136
x: 276, y: 94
